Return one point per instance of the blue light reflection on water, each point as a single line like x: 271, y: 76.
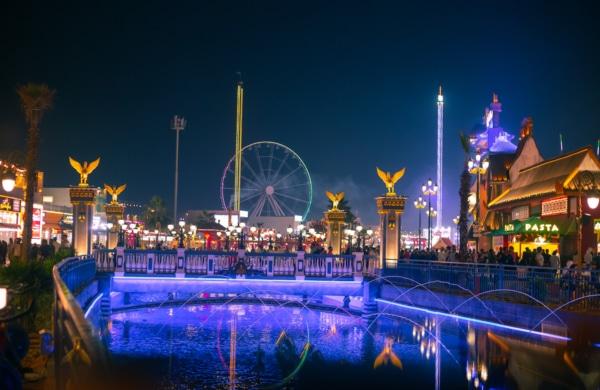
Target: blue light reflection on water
x: 191, y: 345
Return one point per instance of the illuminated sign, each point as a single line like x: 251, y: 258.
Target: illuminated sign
x: 10, y: 204
x: 509, y: 227
x: 556, y: 206
x: 36, y: 224
x: 597, y: 225
x: 541, y: 227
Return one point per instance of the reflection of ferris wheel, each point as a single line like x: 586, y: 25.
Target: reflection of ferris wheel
x: 274, y: 182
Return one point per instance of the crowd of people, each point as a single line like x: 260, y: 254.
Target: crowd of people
x: 508, y: 256
x: 11, y: 250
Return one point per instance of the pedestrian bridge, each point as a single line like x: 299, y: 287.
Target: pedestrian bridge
x: 308, y: 288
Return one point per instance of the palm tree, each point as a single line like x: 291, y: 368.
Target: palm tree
x: 155, y: 213
x: 35, y: 100
x: 465, y: 189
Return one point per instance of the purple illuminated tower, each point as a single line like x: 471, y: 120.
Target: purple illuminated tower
x: 440, y: 157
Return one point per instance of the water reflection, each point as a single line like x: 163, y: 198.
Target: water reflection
x: 260, y: 346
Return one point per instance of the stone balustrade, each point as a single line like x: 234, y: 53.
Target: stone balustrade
x: 183, y: 263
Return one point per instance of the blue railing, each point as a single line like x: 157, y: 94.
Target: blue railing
x: 79, y: 356
x: 548, y: 285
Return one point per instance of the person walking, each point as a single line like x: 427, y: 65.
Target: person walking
x: 555, y: 260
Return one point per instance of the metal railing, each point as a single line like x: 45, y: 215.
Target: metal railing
x: 548, y: 285
x: 79, y: 355
x: 263, y: 264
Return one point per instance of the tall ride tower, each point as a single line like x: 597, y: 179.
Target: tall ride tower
x: 440, y: 157
x: 238, y: 146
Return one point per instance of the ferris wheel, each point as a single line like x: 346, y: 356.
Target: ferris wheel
x: 274, y: 182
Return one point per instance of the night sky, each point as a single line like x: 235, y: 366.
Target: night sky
x: 346, y: 85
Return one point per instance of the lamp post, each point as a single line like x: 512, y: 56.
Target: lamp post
x: 477, y: 167
x: 350, y: 233
x: 429, y: 189
x: 253, y: 237
x: 289, y: 231
x: 181, y: 233
x: 178, y: 124
x: 431, y: 213
x: 360, y: 235
x: 587, y: 183
x: 370, y: 234
x: 420, y: 204
x: 456, y: 221
x: 300, y: 229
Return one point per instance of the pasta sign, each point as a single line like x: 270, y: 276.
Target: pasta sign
x: 541, y: 227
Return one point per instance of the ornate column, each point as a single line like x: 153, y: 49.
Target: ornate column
x: 83, y: 199
x: 390, y: 208
x: 335, y: 219
x: 114, y: 212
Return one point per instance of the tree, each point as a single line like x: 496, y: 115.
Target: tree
x: 344, y: 206
x: 35, y: 100
x: 464, y: 191
x: 155, y: 213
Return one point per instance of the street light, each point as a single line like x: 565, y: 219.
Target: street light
x: 181, y: 232
x: 456, y: 221
x: 429, y: 189
x: 477, y: 167
x: 350, y: 234
x: 360, y: 235
x: 9, y: 180
x: 300, y: 228
x: 121, y: 238
x: 420, y: 204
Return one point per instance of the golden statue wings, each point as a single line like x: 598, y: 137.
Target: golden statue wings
x: 84, y: 170
x: 335, y: 198
x: 389, y: 180
x: 114, y: 191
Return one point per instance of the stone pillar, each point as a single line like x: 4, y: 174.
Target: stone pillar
x: 180, y: 266
x: 335, y: 229
x: 299, y: 265
x: 390, y: 209
x: 120, y: 262
x: 358, y: 266
x: 114, y: 212
x: 83, y: 200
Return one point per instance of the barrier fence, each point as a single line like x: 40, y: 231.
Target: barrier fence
x: 79, y: 355
x: 548, y: 285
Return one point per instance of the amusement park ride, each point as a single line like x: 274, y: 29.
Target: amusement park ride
x: 266, y: 179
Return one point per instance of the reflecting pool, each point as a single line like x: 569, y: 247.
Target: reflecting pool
x: 268, y: 346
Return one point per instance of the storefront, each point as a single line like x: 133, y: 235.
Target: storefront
x: 10, y: 210
x: 535, y: 232
x: 550, y: 205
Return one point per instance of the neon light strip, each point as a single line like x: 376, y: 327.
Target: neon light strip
x: 89, y: 309
x: 475, y: 320
x: 223, y: 280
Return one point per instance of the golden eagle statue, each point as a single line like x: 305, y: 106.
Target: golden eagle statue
x: 114, y: 191
x: 335, y: 198
x: 389, y: 180
x: 84, y: 170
